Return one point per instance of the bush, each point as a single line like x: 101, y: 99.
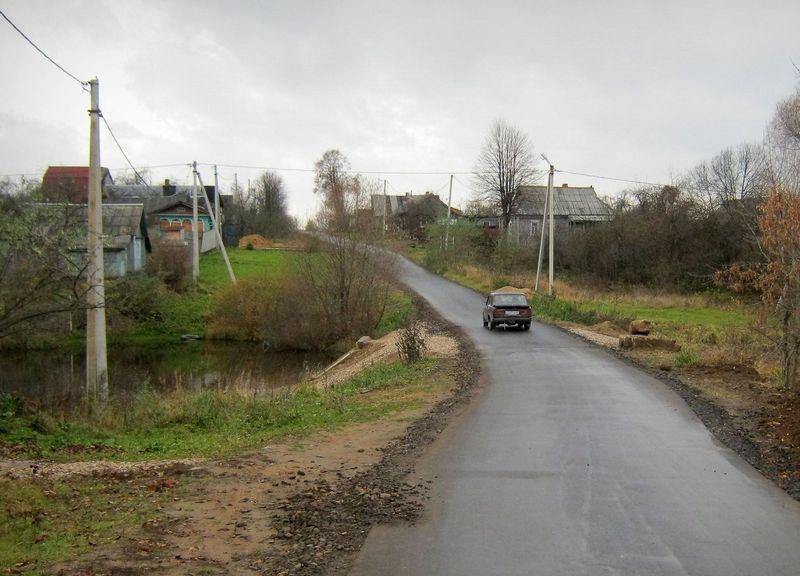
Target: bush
x: 136, y: 297
x: 171, y: 262
x: 412, y: 342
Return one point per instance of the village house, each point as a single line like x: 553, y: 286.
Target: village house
x: 408, y: 212
x: 71, y: 183
x: 125, y: 238
x: 572, y: 207
x: 168, y: 210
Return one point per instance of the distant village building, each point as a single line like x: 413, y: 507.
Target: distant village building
x: 168, y: 210
x: 572, y: 207
x: 71, y: 183
x: 409, y: 212
x: 125, y: 238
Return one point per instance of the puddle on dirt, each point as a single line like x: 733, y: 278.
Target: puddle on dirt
x: 56, y: 379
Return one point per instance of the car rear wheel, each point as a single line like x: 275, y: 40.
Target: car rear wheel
x: 526, y: 326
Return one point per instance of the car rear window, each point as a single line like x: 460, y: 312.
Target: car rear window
x: 510, y: 300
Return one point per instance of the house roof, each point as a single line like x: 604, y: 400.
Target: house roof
x: 579, y: 204
x: 397, y: 204
x: 154, y: 199
x: 71, y: 183
x: 73, y: 173
x: 174, y: 203
x: 120, y: 221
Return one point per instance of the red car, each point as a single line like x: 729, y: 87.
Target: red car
x: 508, y: 308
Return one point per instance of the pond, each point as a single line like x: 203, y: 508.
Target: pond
x: 55, y: 379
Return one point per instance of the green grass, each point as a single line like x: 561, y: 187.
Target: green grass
x: 206, y: 424
x: 246, y: 264
x: 552, y: 308
x: 187, y: 312
x: 399, y: 310
x: 47, y: 521
x: 707, y: 316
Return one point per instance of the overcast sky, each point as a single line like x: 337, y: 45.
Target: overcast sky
x: 637, y: 90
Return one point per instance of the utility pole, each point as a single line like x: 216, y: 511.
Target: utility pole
x: 96, y: 358
x: 447, y: 226
x: 385, y: 208
x: 548, y: 203
x: 541, y: 244
x: 195, y: 242
x: 214, y: 225
x: 216, y: 194
x: 552, y: 239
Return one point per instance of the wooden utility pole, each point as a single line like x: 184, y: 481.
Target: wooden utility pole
x: 195, y: 240
x: 96, y: 356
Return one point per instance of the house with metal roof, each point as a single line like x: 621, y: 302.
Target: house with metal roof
x: 125, y: 238
x: 168, y: 210
x: 572, y: 206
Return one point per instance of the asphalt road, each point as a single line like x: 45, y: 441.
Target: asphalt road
x: 573, y: 462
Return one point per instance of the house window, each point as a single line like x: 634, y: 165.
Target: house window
x: 187, y: 225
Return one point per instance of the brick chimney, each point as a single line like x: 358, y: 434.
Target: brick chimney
x: 168, y: 189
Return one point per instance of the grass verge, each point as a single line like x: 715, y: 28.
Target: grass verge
x: 44, y: 521
x: 206, y: 424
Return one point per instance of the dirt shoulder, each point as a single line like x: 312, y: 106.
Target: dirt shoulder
x: 745, y: 411
x: 301, y: 506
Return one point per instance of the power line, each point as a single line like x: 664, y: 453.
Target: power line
x: 56, y: 64
x: 370, y: 172
x: 610, y: 178
x: 135, y: 171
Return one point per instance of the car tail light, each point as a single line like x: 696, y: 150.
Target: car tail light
x: 499, y: 312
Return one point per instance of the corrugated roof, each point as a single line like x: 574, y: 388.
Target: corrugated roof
x: 152, y: 196
x: 577, y: 203
x: 120, y: 221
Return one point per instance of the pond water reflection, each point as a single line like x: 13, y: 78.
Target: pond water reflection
x: 55, y: 379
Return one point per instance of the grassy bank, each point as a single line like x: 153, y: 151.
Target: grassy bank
x: 206, y: 424
x: 175, y: 314
x: 52, y: 520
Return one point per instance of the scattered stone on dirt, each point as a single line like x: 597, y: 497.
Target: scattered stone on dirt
x: 323, y: 526
x: 21, y: 469
x: 596, y: 337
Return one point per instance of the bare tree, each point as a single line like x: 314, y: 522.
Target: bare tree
x: 267, y: 206
x: 261, y: 209
x: 41, y: 264
x: 505, y: 163
x: 332, y: 180
x: 734, y: 174
x: 783, y: 145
